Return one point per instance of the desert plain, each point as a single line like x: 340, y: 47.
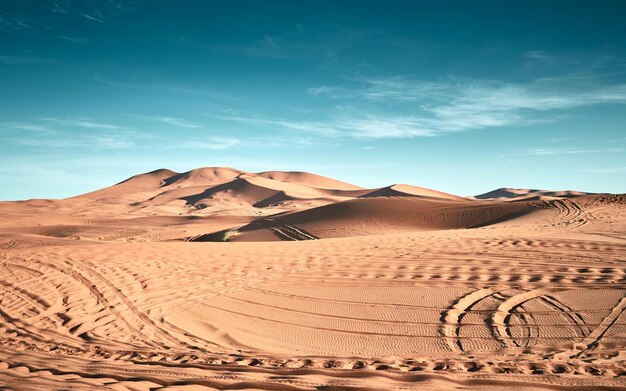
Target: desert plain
x: 219, y: 279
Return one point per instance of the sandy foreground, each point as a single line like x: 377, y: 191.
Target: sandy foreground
x: 127, y: 289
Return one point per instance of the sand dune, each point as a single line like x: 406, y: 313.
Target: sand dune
x: 322, y: 286
x: 254, y: 190
x: 202, y: 176
x: 308, y: 179
x: 509, y: 193
x: 136, y: 186
x: 410, y: 191
x: 382, y: 215
x: 221, y: 189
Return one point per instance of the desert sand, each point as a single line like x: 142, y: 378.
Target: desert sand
x: 221, y: 279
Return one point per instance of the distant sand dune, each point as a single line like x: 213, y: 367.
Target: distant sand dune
x: 507, y: 193
x: 408, y: 190
x: 308, y: 179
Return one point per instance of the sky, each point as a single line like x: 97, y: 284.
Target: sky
x: 459, y: 96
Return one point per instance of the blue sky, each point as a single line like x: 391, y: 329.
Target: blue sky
x: 458, y: 96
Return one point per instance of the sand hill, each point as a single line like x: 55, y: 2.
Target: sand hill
x: 508, y: 193
x: 411, y: 191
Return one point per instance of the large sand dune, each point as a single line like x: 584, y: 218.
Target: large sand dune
x: 322, y: 285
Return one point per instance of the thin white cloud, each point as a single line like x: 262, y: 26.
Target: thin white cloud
x: 73, y: 39
x: 411, y: 108
x: 211, y: 143
x: 266, y: 47
x: 539, y: 55
x: 14, y: 21
x: 182, y: 123
x: 557, y: 151
x: 321, y: 90
x: 80, y: 133
x: 16, y: 60
x: 607, y: 170
x: 303, y: 126
x: 542, y: 94
x: 565, y: 151
x: 88, y: 123
x: 402, y: 89
x: 168, y: 88
x: 375, y: 127
x: 360, y: 126
x: 93, y: 18
x: 113, y: 142
x: 105, y: 141
x: 24, y: 126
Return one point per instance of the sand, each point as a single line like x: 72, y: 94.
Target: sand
x: 223, y: 279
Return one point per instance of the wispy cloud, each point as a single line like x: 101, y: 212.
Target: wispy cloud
x: 15, y: 60
x: 547, y: 151
x: 92, y: 11
x: 73, y: 39
x: 93, y: 18
x: 303, y: 126
x: 541, y: 55
x: 103, y: 141
x: 267, y: 46
x: 178, y: 89
x: 323, y: 44
x: 210, y: 143
x: 83, y: 122
x: 469, y: 96
x: 321, y: 90
x: 607, y: 170
x: 361, y: 127
x: 14, y: 21
x: 568, y: 151
x: 77, y: 133
x: 182, y: 123
x: 52, y: 15
x: 24, y: 126
x: 413, y: 108
x: 113, y: 141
